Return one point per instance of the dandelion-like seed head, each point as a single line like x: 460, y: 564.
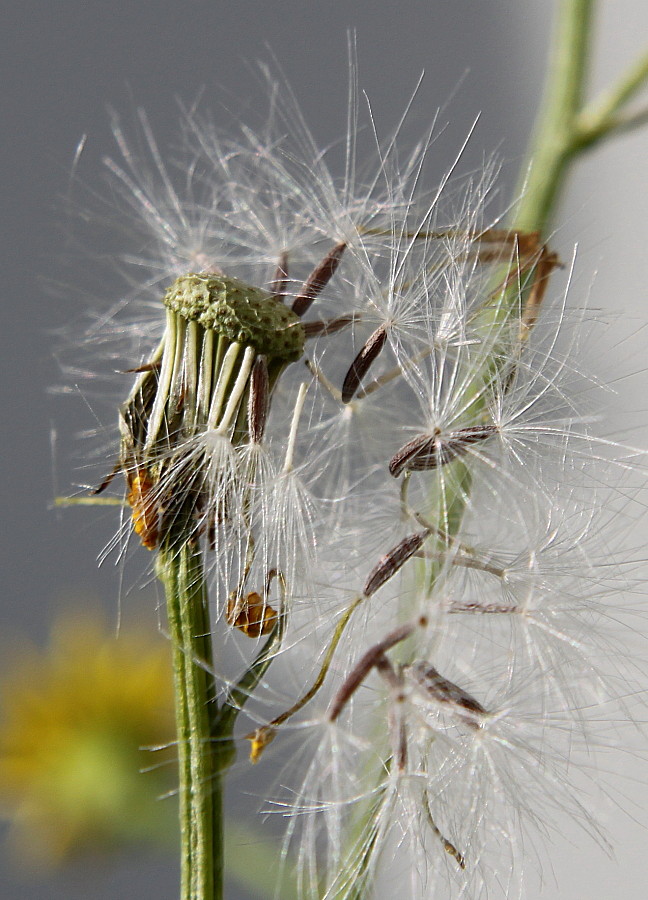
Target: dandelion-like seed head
x: 352, y: 412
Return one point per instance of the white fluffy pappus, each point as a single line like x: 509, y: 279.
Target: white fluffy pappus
x: 421, y: 496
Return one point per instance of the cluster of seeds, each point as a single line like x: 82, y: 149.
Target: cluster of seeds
x: 353, y: 404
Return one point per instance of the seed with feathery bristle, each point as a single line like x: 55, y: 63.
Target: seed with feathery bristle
x: 427, y: 452
x: 391, y: 562
x: 258, y: 399
x: 362, y: 363
x: 446, y: 692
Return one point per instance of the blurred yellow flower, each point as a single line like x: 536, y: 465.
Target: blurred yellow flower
x: 76, y: 720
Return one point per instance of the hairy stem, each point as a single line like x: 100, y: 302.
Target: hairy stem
x: 202, y: 758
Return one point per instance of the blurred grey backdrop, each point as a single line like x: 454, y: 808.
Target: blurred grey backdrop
x: 64, y: 62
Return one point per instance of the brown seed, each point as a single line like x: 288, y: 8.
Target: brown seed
x: 320, y: 328
x: 258, y: 400
x: 318, y: 279
x: 362, y: 363
x: 427, y: 452
x: 446, y: 692
x: 375, y: 656
x: 391, y: 562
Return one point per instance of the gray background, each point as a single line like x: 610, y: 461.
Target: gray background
x: 64, y: 61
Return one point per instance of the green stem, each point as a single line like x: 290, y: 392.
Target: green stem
x: 202, y: 760
x: 601, y: 119
x: 552, y: 148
